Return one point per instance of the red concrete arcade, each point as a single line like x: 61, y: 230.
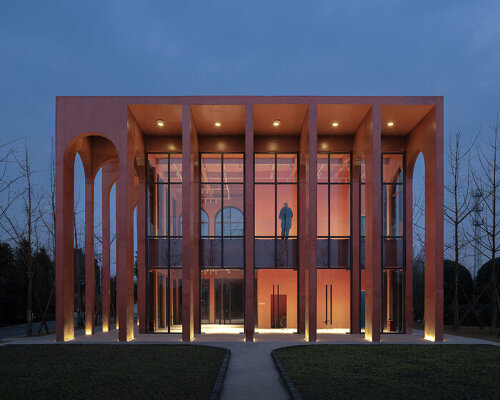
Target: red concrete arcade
x: 254, y: 213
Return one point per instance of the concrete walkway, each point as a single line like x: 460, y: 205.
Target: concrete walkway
x: 251, y: 373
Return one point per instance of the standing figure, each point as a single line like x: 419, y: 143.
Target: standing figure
x: 285, y: 216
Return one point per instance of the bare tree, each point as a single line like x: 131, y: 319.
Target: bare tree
x: 458, y: 209
x: 488, y: 182
x: 23, y: 232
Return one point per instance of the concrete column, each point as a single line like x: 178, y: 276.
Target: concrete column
x: 408, y: 306
x: 65, y: 324
x: 107, y: 182
x: 433, y: 156
x: 89, y: 256
x: 355, y: 235
x: 373, y: 228
x: 187, y: 227
x: 141, y: 250
x: 249, y: 226
x: 125, y: 248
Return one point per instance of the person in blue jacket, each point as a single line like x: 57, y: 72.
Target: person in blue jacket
x: 286, y: 215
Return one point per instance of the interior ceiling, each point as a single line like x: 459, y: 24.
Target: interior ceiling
x: 291, y: 118
x: 405, y: 117
x: 348, y: 116
x: 232, y: 119
x: 146, y: 116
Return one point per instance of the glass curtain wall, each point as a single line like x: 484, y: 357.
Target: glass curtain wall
x: 393, y: 250
x: 164, y: 242
x: 334, y: 241
x: 222, y: 213
x: 276, y: 236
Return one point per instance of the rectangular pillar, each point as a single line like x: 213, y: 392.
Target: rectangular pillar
x: 249, y: 226
x: 188, y: 243
x: 106, y: 243
x: 141, y: 250
x: 355, y: 235
x: 433, y: 156
x: 89, y: 256
x: 125, y: 248
x: 408, y: 306
x: 373, y: 227
x: 65, y: 302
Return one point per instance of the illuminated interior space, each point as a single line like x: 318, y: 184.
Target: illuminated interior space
x: 253, y: 214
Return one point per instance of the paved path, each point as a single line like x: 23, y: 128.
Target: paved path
x: 251, y: 373
x: 19, y: 330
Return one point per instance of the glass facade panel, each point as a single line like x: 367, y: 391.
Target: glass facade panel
x: 334, y: 299
x: 233, y: 253
x: 340, y: 168
x: 211, y: 167
x: 211, y: 204
x: 211, y: 252
x: 393, y: 252
x: 322, y: 210
x: 265, y: 253
x: 393, y: 208
x: 164, y: 242
x: 286, y: 166
x: 340, y: 252
x: 322, y: 168
x: 286, y: 217
x: 276, y: 299
x: 233, y: 168
x: 232, y: 215
x: 175, y: 168
x: 340, y: 210
x: 322, y: 252
x: 265, y: 210
x: 392, y: 301
x: 265, y: 168
x: 222, y: 298
x: 392, y: 166
x: 175, y: 205
x: 286, y: 253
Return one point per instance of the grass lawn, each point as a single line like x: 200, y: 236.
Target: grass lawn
x: 108, y: 371
x: 394, y: 371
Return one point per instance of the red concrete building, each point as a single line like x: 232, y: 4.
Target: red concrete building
x: 254, y: 213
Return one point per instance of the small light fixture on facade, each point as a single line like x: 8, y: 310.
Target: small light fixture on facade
x: 390, y: 123
x: 276, y: 122
x: 335, y: 124
x: 160, y: 123
x: 217, y: 124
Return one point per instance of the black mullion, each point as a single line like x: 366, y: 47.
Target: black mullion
x: 222, y: 210
x: 275, y: 209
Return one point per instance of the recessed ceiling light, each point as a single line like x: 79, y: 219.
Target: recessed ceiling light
x: 335, y: 124
x: 276, y: 122
x: 160, y: 123
x: 217, y: 124
x: 390, y: 123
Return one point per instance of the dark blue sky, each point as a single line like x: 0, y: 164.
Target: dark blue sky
x: 50, y: 48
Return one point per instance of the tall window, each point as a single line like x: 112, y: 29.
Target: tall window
x: 222, y: 210
x: 276, y: 211
x: 334, y: 210
x: 393, y: 249
x: 164, y: 241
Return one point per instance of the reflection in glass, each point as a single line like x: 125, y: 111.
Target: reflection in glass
x: 322, y: 252
x: 233, y: 168
x: 158, y: 253
x: 211, y: 252
x: 265, y: 253
x: 340, y: 210
x: 264, y: 210
x: 333, y: 299
x: 231, y: 220
x: 211, y: 167
x: 175, y: 168
x: 211, y: 204
x: 165, y: 300
x: 322, y: 168
x: 175, y: 208
x: 322, y: 211
x: 393, y: 206
x: 340, y: 252
x: 393, y: 252
x: 287, y: 215
x: 392, y: 167
x: 265, y: 170
x: 286, y: 168
x: 392, y: 301
x: 222, y: 297
x: 286, y: 253
x: 233, y: 254
x: 340, y: 168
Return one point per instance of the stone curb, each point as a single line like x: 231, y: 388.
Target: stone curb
x: 217, y: 389
x: 292, y: 390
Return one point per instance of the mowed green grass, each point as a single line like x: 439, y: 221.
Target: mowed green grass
x: 394, y: 371
x: 108, y: 371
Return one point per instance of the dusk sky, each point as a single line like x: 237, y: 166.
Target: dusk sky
x: 51, y: 48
